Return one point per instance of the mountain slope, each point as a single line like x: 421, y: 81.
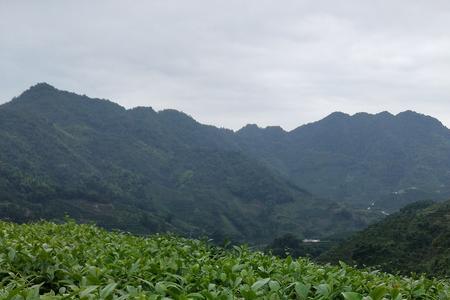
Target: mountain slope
x: 145, y: 171
x: 416, y: 239
x: 382, y: 160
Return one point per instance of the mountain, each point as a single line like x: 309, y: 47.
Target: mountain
x: 415, y: 239
x: 381, y: 161
x: 145, y: 171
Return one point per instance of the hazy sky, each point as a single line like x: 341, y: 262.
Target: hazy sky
x: 234, y: 62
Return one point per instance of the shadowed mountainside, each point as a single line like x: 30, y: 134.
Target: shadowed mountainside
x: 383, y: 161
x: 146, y: 171
x: 415, y: 239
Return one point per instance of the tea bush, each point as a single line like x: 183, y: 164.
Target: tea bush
x: 70, y: 261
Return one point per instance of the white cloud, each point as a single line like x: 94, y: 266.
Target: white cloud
x: 234, y: 62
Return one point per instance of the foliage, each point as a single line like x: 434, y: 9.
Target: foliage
x: 290, y: 245
x: 416, y: 239
x: 145, y: 171
x: 383, y: 159
x: 70, y: 261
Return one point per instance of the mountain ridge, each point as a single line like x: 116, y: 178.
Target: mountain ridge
x: 145, y: 171
x: 89, y: 150
x: 376, y: 153
x: 337, y: 115
x: 338, y: 138
x: 44, y: 86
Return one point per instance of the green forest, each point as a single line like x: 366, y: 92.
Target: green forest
x: 145, y: 171
x: 103, y: 202
x: 414, y: 240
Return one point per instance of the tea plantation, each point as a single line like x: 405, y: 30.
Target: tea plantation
x: 70, y: 261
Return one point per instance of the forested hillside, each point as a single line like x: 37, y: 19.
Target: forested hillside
x: 383, y: 161
x: 416, y: 239
x: 146, y: 171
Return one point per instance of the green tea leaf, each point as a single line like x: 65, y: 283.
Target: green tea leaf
x: 260, y: 283
x: 352, y: 296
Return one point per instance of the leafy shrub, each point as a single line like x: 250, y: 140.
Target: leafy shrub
x: 70, y: 261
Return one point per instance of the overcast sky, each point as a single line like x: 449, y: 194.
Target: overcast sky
x: 229, y: 63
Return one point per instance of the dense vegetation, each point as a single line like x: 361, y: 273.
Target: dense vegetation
x: 416, y: 239
x: 382, y: 161
x: 291, y: 245
x: 145, y: 171
x: 70, y: 261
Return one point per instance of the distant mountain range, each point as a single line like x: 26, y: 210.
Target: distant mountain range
x: 415, y: 239
x: 146, y: 171
x: 379, y: 161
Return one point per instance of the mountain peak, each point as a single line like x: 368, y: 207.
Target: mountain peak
x: 409, y: 113
x: 249, y: 129
x: 41, y: 86
x: 37, y: 90
x: 275, y: 129
x: 381, y: 116
x: 412, y: 116
x: 337, y: 115
x: 384, y: 114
